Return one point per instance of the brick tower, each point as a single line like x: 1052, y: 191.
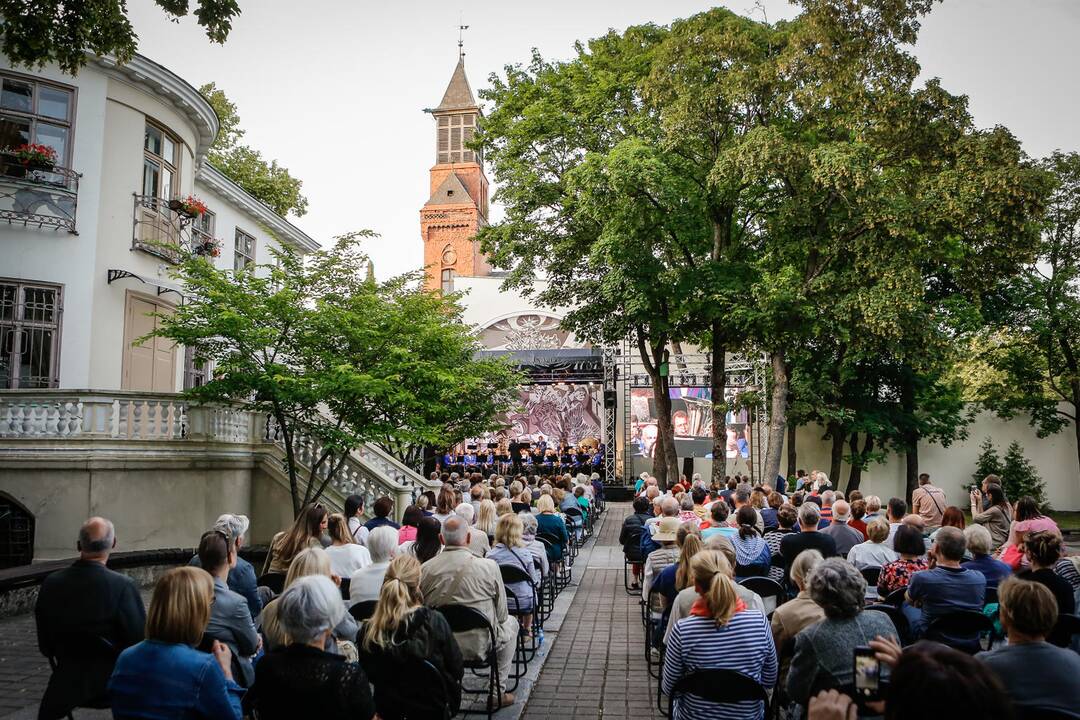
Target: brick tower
x: 458, y: 205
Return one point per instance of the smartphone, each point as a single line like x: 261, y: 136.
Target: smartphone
x: 867, y: 674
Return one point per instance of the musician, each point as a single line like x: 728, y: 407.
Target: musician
x: 447, y: 461
x: 525, y: 458
x: 470, y: 460
x: 541, y: 444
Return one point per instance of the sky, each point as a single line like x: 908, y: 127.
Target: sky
x: 335, y: 89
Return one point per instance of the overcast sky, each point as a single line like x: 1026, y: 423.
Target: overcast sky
x: 334, y: 89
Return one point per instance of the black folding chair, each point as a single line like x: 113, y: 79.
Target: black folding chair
x: 871, y: 575
x: 896, y: 597
x: 960, y: 630
x: 631, y: 557
x: 718, y: 686
x: 511, y: 575
x: 654, y: 628
x: 1067, y: 626
x: 566, y: 572
x: 900, y: 621
x: 73, y: 654
x: 461, y: 619
x: 362, y: 611
x: 766, y: 588
x: 274, y: 581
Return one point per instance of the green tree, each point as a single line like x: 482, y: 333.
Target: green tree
x: 265, y: 181
x: 329, y: 356
x: 68, y: 32
x: 1019, y: 477
x: 988, y: 462
x: 1026, y: 362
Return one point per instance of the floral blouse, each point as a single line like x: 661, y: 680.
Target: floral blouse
x: 896, y: 574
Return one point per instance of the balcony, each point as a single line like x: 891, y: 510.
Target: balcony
x: 157, y: 229
x: 38, y: 197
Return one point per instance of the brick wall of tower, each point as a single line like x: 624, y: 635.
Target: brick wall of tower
x: 454, y: 226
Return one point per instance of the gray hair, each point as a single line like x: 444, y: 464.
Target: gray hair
x: 465, y: 510
x: 809, y: 515
x: 828, y: 497
x: 978, y: 538
x: 742, y: 493
x: 695, y: 478
x: 455, y: 532
x: 687, y: 503
x: 90, y: 544
x: 669, y: 506
x: 529, y: 525
x: 837, y: 587
x: 309, y: 607
x: 803, y: 565
x: 237, y: 526
x: 381, y: 543
x: 950, y: 542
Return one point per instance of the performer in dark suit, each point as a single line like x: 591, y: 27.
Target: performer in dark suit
x: 86, y: 614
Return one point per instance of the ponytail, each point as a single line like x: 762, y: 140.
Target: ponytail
x: 747, y: 519
x: 398, y: 597
x: 691, y: 546
x: 712, y: 577
x: 747, y: 531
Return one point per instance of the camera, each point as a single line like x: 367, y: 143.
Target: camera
x: 867, y: 674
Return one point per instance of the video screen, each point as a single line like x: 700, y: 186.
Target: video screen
x: 691, y: 418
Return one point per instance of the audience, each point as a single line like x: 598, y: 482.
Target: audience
x: 858, y: 519
x: 313, y: 561
x: 510, y: 550
x: 230, y: 620
x: 823, y: 651
x: 86, y: 599
x: 1029, y: 519
x: 457, y: 577
x: 242, y: 578
x: 534, y: 546
x: 874, y: 552
x: 928, y: 502
x: 365, y: 583
x: 550, y: 524
x: 873, y: 508
x: 306, y: 532
x: 666, y: 554
x: 717, y: 524
x: 808, y: 537
x: 786, y: 517
x: 1036, y: 674
x: 382, y: 508
x: 677, y: 577
x: 895, y: 512
x: 908, y: 544
x: 399, y: 638
x: 346, y: 556
x: 997, y: 516
x: 752, y: 556
x: 789, y: 619
x: 427, y: 543
x: 945, y: 588
x: 630, y: 537
x: 354, y: 511
x: 979, y: 544
x: 410, y: 522
x: 720, y: 632
x: 1042, y: 550
x: 164, y: 675
x: 952, y: 517
x: 302, y: 679
x: 845, y: 536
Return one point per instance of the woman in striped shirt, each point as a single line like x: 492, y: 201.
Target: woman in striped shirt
x: 720, y: 633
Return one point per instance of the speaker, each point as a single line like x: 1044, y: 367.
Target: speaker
x: 611, y: 399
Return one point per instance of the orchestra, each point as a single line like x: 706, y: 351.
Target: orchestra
x: 524, y: 456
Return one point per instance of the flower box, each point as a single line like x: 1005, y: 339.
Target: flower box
x: 190, y: 207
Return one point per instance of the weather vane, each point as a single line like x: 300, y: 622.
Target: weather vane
x: 461, y: 39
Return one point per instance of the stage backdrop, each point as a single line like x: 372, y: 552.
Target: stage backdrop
x: 570, y: 412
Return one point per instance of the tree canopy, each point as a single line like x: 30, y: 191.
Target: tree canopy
x: 66, y: 31
x: 265, y: 181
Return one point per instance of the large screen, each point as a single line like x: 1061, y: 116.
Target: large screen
x: 691, y: 417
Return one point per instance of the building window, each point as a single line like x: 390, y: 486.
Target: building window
x: 245, y: 250
x: 160, y: 159
x: 36, y: 112
x: 195, y: 373
x: 29, y: 334
x: 448, y: 280
x: 455, y: 132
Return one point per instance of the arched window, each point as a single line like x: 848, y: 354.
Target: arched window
x: 16, y: 533
x: 448, y: 280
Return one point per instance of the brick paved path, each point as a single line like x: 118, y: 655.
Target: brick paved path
x: 596, y: 667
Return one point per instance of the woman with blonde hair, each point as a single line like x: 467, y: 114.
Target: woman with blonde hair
x: 549, y: 523
x: 399, y: 637
x: 312, y: 561
x: 164, y: 674
x: 346, y: 556
x: 486, y: 519
x: 510, y: 550
x: 306, y: 532
x: 720, y: 633
x: 677, y: 576
x: 504, y: 507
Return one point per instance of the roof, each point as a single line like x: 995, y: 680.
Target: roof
x: 450, y: 192
x: 458, y: 95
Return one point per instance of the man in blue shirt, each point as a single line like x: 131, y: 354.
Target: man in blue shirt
x: 946, y: 588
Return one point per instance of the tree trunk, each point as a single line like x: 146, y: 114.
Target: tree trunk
x: 836, y: 455
x: 717, y: 388
x: 859, y: 460
x: 777, y: 417
x: 792, y: 459
x: 911, y: 436
x: 669, y: 463
x: 290, y: 462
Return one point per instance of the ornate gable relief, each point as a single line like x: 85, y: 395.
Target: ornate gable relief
x: 527, y: 331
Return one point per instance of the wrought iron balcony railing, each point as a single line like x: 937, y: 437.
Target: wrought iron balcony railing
x: 42, y: 197
x: 157, y: 229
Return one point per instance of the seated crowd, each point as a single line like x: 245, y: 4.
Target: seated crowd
x: 347, y: 617
x: 756, y: 600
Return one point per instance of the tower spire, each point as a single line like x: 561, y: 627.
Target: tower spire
x: 461, y: 39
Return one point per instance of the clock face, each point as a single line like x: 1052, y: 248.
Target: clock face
x: 449, y: 257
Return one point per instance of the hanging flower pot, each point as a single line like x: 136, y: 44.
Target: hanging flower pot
x: 210, y: 247
x: 33, y: 156
x: 190, y: 207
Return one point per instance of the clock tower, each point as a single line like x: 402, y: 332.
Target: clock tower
x: 458, y: 205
